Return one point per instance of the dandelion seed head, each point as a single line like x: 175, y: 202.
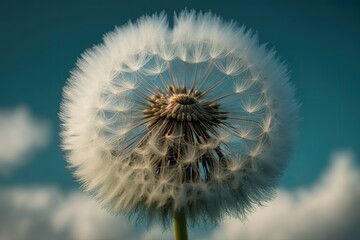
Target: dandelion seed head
x: 199, y: 118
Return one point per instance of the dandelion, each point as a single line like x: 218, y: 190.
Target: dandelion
x: 194, y: 122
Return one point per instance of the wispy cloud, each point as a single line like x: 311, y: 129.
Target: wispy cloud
x: 47, y: 213
x: 327, y: 210
x: 20, y: 134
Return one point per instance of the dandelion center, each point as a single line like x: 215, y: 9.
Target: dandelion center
x: 182, y: 105
x: 184, y: 99
x: 184, y: 115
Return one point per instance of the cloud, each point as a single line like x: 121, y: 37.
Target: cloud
x: 47, y: 213
x: 327, y: 210
x: 20, y: 135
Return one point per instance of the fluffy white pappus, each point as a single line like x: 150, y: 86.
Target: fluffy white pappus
x: 198, y: 119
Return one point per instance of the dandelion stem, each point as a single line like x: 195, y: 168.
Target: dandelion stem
x: 180, y: 226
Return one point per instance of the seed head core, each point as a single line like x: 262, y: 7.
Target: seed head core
x: 180, y: 104
x: 187, y: 114
x: 184, y: 99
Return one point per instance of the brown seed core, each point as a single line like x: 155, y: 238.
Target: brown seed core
x: 185, y: 113
x: 184, y: 99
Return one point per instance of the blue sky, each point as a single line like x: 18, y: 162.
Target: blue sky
x: 319, y: 40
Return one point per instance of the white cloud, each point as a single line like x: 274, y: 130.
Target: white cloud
x: 20, y: 135
x: 328, y: 210
x: 47, y: 213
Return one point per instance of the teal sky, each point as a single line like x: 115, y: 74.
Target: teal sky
x: 41, y: 40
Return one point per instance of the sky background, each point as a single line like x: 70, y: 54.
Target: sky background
x: 40, y: 42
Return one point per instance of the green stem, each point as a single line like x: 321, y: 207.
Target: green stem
x: 180, y: 226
